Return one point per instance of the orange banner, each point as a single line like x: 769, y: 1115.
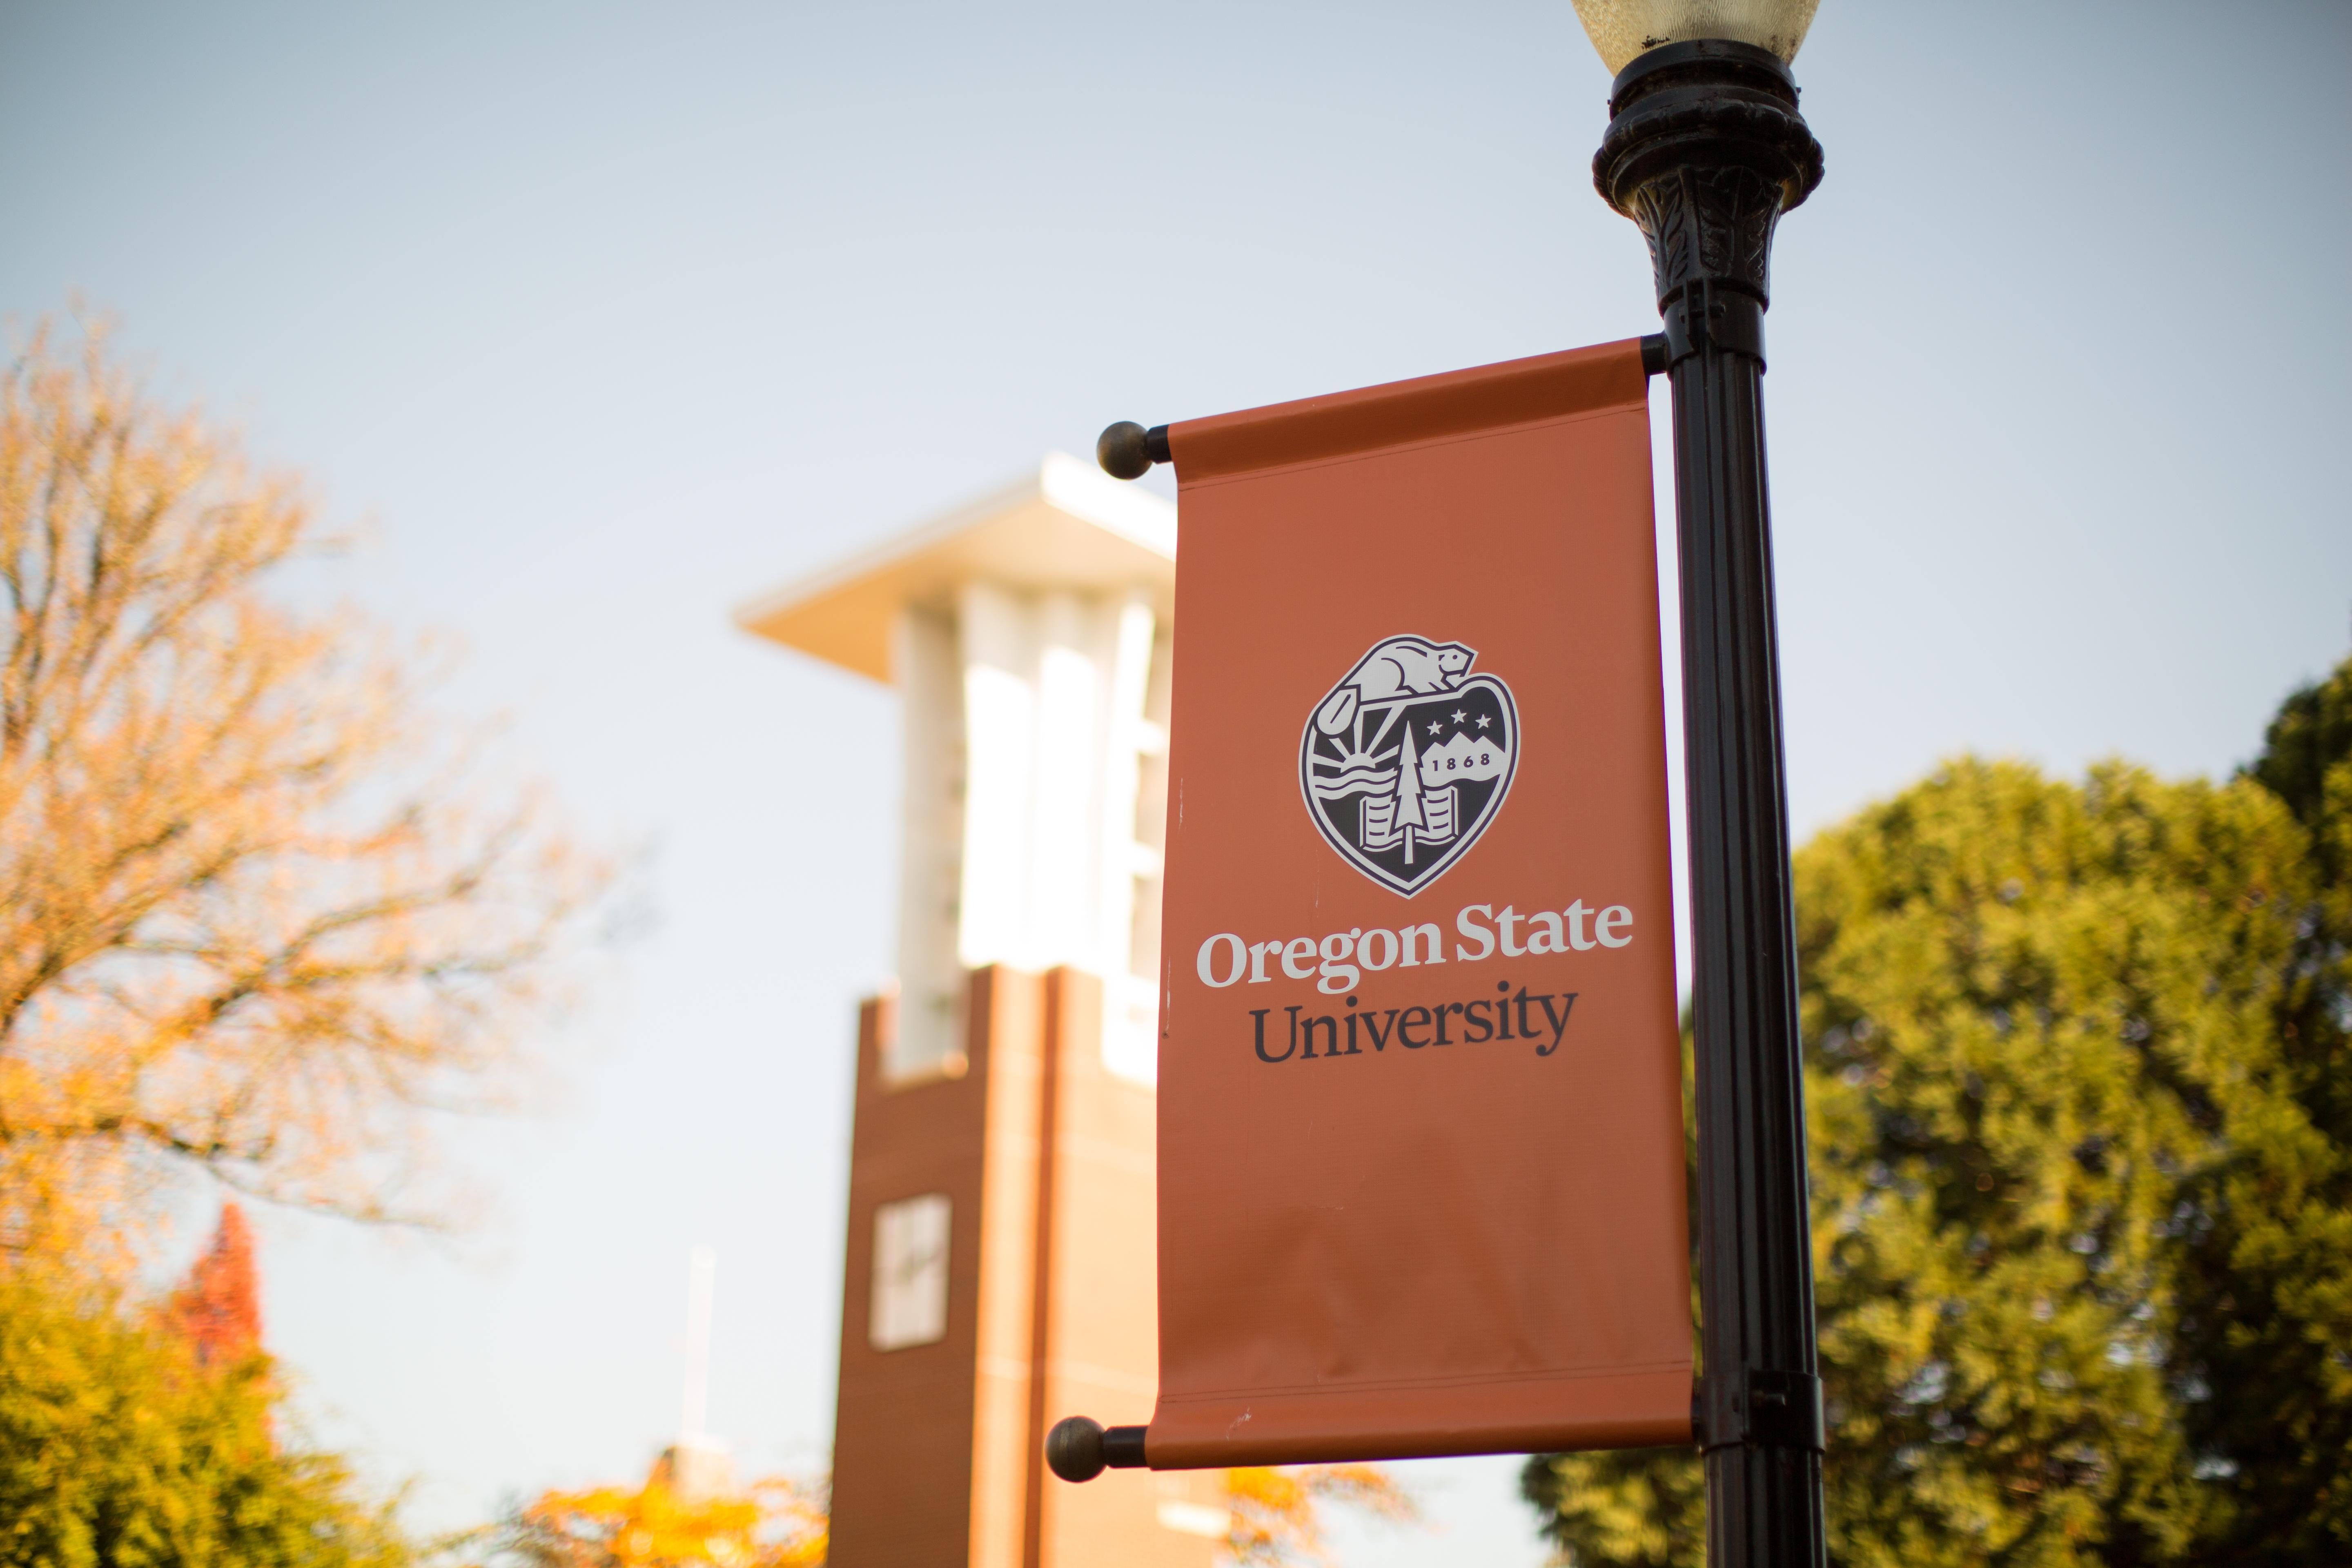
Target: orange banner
x: 1420, y: 1151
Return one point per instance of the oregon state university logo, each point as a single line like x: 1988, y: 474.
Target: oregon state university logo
x: 1408, y: 758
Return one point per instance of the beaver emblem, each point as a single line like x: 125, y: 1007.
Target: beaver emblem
x: 1405, y: 762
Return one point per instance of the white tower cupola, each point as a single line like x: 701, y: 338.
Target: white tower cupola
x: 1027, y: 635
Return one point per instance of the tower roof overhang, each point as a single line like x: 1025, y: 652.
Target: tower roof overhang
x: 1069, y: 529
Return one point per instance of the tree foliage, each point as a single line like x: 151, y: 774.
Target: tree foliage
x: 771, y: 1524
x: 247, y: 921
x: 119, y: 1449
x: 2265, y: 1291
x: 2080, y: 1103
x: 217, y: 1308
x: 1277, y: 1513
x: 1639, y: 1507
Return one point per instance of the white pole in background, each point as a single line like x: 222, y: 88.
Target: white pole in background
x: 702, y: 1266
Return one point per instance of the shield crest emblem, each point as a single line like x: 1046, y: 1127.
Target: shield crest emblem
x: 1405, y: 762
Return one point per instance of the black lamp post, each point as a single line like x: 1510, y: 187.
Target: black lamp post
x: 1704, y: 151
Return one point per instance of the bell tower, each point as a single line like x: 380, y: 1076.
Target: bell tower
x: 1000, y: 1265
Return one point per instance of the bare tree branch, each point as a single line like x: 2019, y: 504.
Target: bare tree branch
x: 254, y: 918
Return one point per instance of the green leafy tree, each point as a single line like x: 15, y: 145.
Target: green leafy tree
x: 2082, y: 1217
x: 2265, y: 1328
x: 1639, y: 1507
x: 120, y: 1447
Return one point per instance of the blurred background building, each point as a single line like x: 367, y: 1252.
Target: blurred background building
x: 1001, y: 1267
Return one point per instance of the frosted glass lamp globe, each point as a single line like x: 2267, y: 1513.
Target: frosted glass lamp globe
x: 1622, y: 30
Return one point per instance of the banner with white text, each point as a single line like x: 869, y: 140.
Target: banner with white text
x: 1421, y: 1149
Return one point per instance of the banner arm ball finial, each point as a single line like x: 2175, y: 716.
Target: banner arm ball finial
x: 1127, y: 451
x: 1079, y: 1448
x: 1074, y: 1448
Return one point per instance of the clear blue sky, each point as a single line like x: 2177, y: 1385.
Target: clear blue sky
x: 603, y: 318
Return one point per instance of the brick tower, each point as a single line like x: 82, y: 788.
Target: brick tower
x: 1001, y: 1267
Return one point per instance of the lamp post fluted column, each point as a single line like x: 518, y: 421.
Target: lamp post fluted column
x: 1704, y: 150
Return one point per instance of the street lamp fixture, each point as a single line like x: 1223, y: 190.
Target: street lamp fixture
x: 1623, y: 29
x: 1704, y: 151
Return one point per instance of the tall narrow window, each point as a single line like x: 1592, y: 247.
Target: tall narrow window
x: 910, y: 1273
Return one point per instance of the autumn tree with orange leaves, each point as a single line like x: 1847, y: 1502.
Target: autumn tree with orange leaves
x: 1277, y: 1518
x: 216, y: 1311
x: 771, y: 1524
x: 1278, y: 1514
x: 255, y: 919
